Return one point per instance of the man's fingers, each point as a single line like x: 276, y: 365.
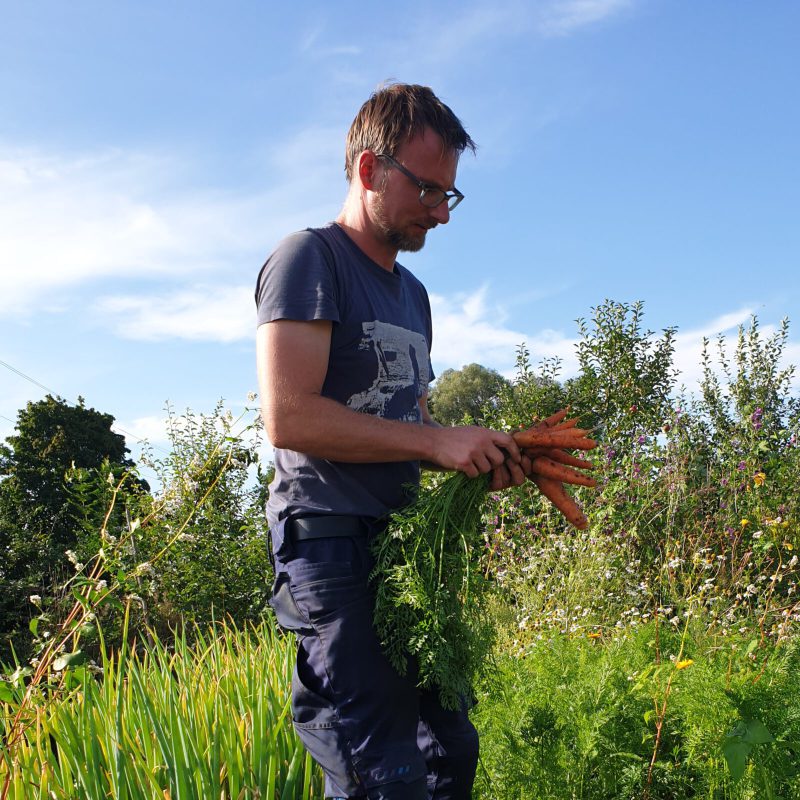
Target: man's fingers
x: 500, y: 478
x: 516, y: 474
x: 508, y: 444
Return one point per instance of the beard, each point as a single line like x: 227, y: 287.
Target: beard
x: 406, y: 241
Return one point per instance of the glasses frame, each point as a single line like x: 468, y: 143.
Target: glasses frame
x: 425, y: 189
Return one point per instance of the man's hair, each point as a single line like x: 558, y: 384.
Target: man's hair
x: 397, y: 113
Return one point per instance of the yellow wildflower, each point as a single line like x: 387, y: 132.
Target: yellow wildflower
x: 594, y: 635
x: 759, y: 478
x: 687, y: 662
x: 745, y: 522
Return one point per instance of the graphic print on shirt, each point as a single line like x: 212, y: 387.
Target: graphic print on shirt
x: 402, y: 376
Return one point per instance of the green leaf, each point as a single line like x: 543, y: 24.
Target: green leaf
x: 736, y: 752
x: 33, y: 625
x: 78, y: 595
x: 6, y: 692
x: 756, y: 733
x: 19, y: 673
x: 69, y: 660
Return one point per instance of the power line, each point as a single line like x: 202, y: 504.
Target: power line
x: 56, y: 394
x: 27, y: 377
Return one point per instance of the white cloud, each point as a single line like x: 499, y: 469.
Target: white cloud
x: 564, y: 17
x: 689, y: 346
x: 68, y: 220
x: 151, y: 428
x: 471, y: 27
x: 467, y: 329
x: 200, y: 313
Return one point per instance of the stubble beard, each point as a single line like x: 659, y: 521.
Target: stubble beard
x: 396, y: 238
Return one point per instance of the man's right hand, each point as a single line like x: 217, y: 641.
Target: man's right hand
x: 472, y: 450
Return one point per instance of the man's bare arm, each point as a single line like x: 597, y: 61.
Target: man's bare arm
x: 292, y: 363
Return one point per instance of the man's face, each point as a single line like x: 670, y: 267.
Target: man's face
x: 397, y: 213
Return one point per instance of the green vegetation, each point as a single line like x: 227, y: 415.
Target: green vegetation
x: 54, y: 441
x: 207, y: 720
x: 429, y: 590
x: 465, y: 394
x: 655, y: 655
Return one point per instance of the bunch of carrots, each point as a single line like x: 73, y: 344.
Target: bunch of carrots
x: 546, y: 444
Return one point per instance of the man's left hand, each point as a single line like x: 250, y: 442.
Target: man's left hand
x: 510, y: 473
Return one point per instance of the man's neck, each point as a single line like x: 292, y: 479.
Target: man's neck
x: 358, y: 227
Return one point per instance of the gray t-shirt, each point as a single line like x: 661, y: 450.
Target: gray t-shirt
x: 379, y: 364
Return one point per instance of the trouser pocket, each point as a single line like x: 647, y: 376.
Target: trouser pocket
x: 288, y: 614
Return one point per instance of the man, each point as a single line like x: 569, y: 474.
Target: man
x: 343, y: 349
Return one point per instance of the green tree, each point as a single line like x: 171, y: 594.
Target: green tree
x: 467, y: 393
x: 626, y: 373
x: 38, y: 522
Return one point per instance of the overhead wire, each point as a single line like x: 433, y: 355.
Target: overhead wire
x: 56, y: 394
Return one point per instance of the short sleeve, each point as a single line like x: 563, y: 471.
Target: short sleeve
x: 298, y: 281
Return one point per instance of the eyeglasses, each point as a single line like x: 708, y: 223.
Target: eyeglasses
x: 430, y: 196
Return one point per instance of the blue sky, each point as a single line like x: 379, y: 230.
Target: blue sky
x: 152, y: 154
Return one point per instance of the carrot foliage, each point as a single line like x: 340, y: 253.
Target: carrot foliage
x: 429, y: 587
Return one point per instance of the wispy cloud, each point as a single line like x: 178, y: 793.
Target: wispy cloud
x: 68, y: 220
x: 314, y: 43
x: 201, y: 313
x: 476, y: 26
x: 480, y: 28
x: 564, y: 17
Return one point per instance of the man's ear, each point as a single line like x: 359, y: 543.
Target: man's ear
x: 368, y: 169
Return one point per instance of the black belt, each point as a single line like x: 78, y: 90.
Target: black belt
x: 326, y: 526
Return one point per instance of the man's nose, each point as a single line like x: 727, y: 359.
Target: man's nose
x: 441, y: 213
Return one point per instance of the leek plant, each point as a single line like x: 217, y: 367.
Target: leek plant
x: 210, y: 719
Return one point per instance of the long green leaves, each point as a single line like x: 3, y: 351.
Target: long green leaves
x: 209, y: 720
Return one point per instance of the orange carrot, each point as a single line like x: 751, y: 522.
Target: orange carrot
x: 572, y: 439
x: 566, y: 424
x: 552, y: 420
x: 558, y: 496
x: 532, y: 452
x: 565, y: 458
x: 548, y: 468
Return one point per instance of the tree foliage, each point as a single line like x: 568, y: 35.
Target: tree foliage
x: 466, y: 393
x: 626, y: 373
x: 38, y: 522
